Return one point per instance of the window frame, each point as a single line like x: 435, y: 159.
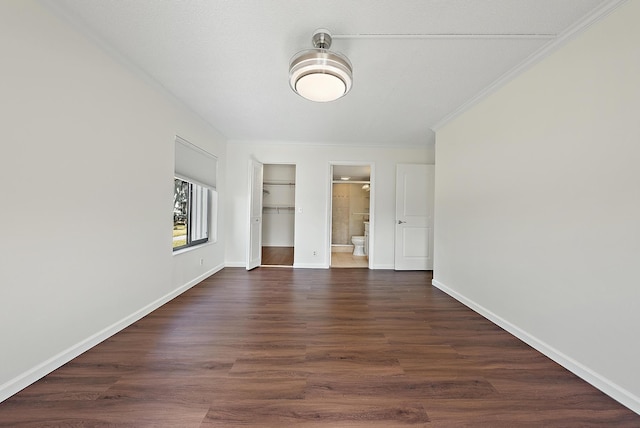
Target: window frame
x: 204, y: 208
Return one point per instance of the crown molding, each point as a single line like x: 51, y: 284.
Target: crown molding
x: 562, y: 38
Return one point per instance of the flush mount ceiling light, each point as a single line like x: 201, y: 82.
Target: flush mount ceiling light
x: 319, y: 74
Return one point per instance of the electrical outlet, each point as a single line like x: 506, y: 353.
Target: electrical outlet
x: 315, y: 253
x: 201, y: 262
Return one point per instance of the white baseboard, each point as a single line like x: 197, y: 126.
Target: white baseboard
x: 610, y: 388
x: 235, y: 264
x: 310, y: 266
x: 383, y: 267
x: 25, y: 379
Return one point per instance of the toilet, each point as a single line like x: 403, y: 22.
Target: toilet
x: 358, y: 245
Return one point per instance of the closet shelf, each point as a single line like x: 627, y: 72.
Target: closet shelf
x: 278, y: 183
x: 277, y: 208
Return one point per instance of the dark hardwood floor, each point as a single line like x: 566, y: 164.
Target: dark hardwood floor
x: 278, y: 256
x: 289, y: 347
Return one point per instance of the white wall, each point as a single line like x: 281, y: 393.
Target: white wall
x: 312, y: 195
x: 538, y: 205
x: 86, y: 164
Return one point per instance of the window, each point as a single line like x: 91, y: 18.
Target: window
x: 190, y: 214
x: 195, y: 200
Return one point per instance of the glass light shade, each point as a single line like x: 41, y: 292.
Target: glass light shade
x: 320, y: 87
x: 320, y: 75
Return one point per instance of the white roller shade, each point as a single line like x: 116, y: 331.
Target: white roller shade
x: 195, y: 163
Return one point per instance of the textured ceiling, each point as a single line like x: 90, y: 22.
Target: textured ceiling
x: 228, y: 60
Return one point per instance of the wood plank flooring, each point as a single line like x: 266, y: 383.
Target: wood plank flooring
x: 289, y: 347
x: 277, y: 256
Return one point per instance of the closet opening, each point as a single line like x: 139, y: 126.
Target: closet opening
x: 278, y: 214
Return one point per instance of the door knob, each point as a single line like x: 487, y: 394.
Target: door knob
x: 401, y: 222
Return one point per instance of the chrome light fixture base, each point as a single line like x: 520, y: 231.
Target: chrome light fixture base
x: 319, y: 74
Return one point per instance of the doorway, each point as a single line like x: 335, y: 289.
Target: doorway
x: 351, y: 219
x: 278, y: 214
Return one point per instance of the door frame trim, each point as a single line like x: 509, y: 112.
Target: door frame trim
x: 295, y: 199
x: 253, y: 162
x: 329, y: 221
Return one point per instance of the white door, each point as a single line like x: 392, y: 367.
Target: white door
x: 254, y: 256
x: 414, y: 217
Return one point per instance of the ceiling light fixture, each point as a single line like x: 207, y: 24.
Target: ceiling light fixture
x: 319, y: 74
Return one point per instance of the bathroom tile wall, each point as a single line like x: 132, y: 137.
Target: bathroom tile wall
x: 348, y: 200
x: 340, y: 210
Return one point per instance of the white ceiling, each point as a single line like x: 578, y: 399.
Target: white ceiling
x: 228, y: 60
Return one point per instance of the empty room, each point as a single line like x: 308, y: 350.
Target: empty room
x: 447, y: 192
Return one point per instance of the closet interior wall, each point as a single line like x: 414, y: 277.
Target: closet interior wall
x: 278, y: 213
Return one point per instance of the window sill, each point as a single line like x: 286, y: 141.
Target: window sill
x: 195, y: 247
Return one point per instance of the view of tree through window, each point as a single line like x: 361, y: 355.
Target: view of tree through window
x: 180, y: 203
x: 190, y: 214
